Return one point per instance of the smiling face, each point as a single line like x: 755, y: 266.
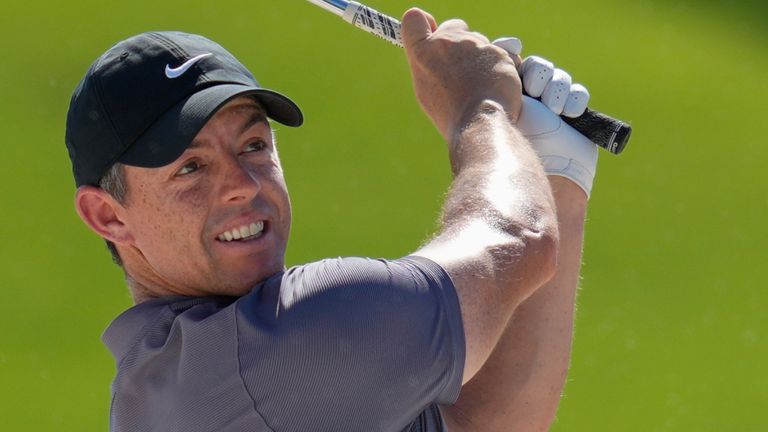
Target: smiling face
x: 216, y: 220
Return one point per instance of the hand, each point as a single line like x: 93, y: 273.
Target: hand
x: 455, y: 71
x: 541, y: 80
x: 554, y: 87
x: 563, y: 151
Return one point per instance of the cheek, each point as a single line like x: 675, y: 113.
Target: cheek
x: 169, y: 219
x: 280, y: 192
x: 191, y: 198
x: 275, y: 192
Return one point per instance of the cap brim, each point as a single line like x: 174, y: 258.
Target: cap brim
x: 168, y: 137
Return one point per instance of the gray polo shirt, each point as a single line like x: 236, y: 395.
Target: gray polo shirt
x: 348, y: 344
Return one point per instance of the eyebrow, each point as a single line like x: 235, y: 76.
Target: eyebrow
x: 257, y: 116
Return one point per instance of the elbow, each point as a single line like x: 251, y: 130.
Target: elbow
x: 535, y: 255
x: 542, y: 239
x: 542, y: 248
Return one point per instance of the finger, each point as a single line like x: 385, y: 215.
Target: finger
x: 512, y: 45
x: 453, y: 25
x: 481, y: 37
x: 518, y: 61
x: 505, y: 54
x: 556, y: 92
x: 416, y: 27
x: 536, y: 73
x: 432, y: 21
x: 577, y: 101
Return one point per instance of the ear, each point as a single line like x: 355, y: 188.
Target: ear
x: 102, y: 213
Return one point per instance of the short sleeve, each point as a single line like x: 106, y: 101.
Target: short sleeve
x: 351, y: 344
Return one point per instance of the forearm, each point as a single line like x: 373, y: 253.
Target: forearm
x: 498, y: 237
x: 499, y: 234
x: 471, y: 91
x: 498, y: 178
x: 519, y: 386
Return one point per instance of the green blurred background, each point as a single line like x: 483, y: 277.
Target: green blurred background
x: 672, y: 330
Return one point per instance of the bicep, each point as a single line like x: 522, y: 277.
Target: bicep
x: 493, y: 272
x: 364, y: 340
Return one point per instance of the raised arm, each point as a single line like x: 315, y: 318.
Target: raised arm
x: 519, y: 386
x: 498, y: 240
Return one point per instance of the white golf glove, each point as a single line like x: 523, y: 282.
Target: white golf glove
x: 563, y: 151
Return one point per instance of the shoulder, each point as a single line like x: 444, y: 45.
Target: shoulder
x: 151, y: 323
x: 326, y: 333
x: 410, y: 274
x: 357, y: 285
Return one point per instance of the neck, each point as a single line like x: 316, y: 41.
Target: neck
x: 139, y: 291
x: 145, y: 283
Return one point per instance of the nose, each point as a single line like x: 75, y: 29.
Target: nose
x: 239, y: 182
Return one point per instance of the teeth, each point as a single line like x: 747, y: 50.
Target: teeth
x: 244, y: 232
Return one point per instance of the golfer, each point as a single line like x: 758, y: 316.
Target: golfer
x: 177, y: 168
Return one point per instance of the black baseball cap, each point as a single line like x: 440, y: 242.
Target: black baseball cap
x: 143, y: 101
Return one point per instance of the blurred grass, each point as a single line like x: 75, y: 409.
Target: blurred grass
x: 671, y: 330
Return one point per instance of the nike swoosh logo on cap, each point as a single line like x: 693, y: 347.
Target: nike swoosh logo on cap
x: 179, y: 71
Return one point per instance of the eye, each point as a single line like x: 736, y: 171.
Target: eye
x: 188, y: 168
x: 255, y: 146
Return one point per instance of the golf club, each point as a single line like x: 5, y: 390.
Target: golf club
x: 607, y: 132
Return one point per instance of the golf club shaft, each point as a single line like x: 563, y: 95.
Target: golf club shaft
x: 605, y: 131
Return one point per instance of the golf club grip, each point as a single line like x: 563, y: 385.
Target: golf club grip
x: 607, y: 132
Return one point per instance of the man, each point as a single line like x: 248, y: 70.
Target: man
x: 177, y: 169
